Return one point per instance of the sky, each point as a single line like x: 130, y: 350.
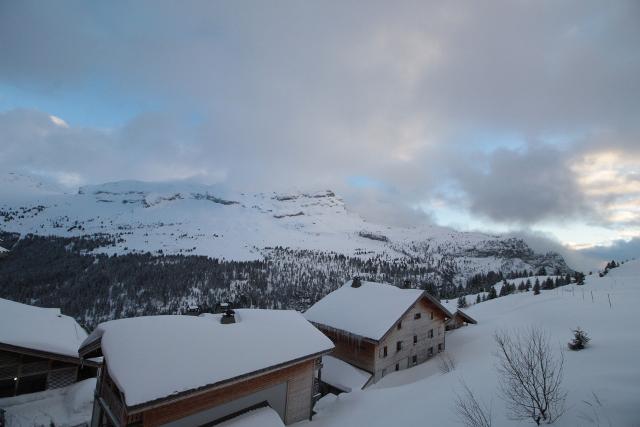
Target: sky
x: 502, y: 116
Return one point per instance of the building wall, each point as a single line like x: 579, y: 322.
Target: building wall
x: 359, y: 353
x: 420, y: 328
x: 24, y: 373
x: 299, y: 389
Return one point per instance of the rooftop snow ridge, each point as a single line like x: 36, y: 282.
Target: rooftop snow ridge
x: 37, y: 328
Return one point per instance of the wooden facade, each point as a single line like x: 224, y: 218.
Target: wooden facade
x: 289, y: 389
x: 24, y: 370
x: 418, y: 335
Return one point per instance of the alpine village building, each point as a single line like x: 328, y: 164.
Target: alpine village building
x: 179, y: 371
x: 39, y: 349
x: 459, y: 319
x: 381, y: 328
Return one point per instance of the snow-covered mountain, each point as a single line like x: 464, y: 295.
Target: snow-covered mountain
x: 187, y: 218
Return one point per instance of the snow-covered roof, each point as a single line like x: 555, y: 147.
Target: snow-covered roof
x: 368, y: 311
x: 261, y: 417
x: 3, y: 250
x: 342, y: 375
x: 42, y: 329
x: 155, y: 357
x: 464, y: 316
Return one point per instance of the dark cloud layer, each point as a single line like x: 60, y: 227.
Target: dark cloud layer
x: 269, y: 95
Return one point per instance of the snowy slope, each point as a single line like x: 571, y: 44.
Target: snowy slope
x: 603, y: 381
x: 187, y: 218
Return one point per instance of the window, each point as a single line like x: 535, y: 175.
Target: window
x: 430, y: 352
x: 415, y: 339
x: 430, y: 333
x: 417, y: 316
x: 431, y: 315
x: 32, y: 384
x: 384, y: 351
x: 440, y: 347
x: 399, y: 346
x: 414, y: 359
x: 397, y: 366
x: 400, y: 324
x: 7, y: 387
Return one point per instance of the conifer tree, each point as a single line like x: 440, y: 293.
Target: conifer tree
x: 462, y: 302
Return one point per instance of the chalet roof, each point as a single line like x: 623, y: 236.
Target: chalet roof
x: 2, y: 250
x: 158, y: 357
x: 40, y: 329
x: 342, y: 375
x: 465, y: 317
x: 368, y: 311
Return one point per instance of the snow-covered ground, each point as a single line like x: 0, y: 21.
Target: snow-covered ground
x: 602, y: 381
x: 188, y: 218
x: 68, y: 406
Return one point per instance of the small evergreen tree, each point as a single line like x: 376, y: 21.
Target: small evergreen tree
x: 492, y: 293
x: 477, y: 298
x: 536, y: 288
x: 462, y: 302
x: 580, y: 339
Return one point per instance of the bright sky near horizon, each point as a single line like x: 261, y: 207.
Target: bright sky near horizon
x: 500, y: 116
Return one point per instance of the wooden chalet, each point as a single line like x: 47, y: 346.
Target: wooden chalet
x: 381, y: 328
x: 459, y: 319
x: 191, y: 371
x: 39, y: 350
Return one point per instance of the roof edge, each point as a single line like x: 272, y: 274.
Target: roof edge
x: 134, y: 409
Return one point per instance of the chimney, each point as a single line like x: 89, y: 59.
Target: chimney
x: 356, y: 282
x: 228, y: 316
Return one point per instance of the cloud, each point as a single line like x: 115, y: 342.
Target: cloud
x: 516, y: 186
x: 619, y: 250
x: 269, y: 95
x: 146, y: 148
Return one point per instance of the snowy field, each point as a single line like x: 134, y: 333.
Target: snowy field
x: 607, y: 371
x: 67, y: 406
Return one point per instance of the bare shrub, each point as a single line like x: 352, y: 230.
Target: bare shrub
x: 469, y: 411
x: 530, y: 376
x: 446, y: 363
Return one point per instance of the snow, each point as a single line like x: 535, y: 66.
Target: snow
x: 184, y: 217
x: 368, y: 311
x: 342, y: 375
x: 68, y: 406
x: 3, y: 250
x: 606, y: 371
x: 262, y: 417
x: 158, y: 356
x: 44, y: 329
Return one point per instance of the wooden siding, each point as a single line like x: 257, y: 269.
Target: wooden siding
x: 411, y: 327
x: 52, y: 373
x: 359, y: 353
x: 299, y: 379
